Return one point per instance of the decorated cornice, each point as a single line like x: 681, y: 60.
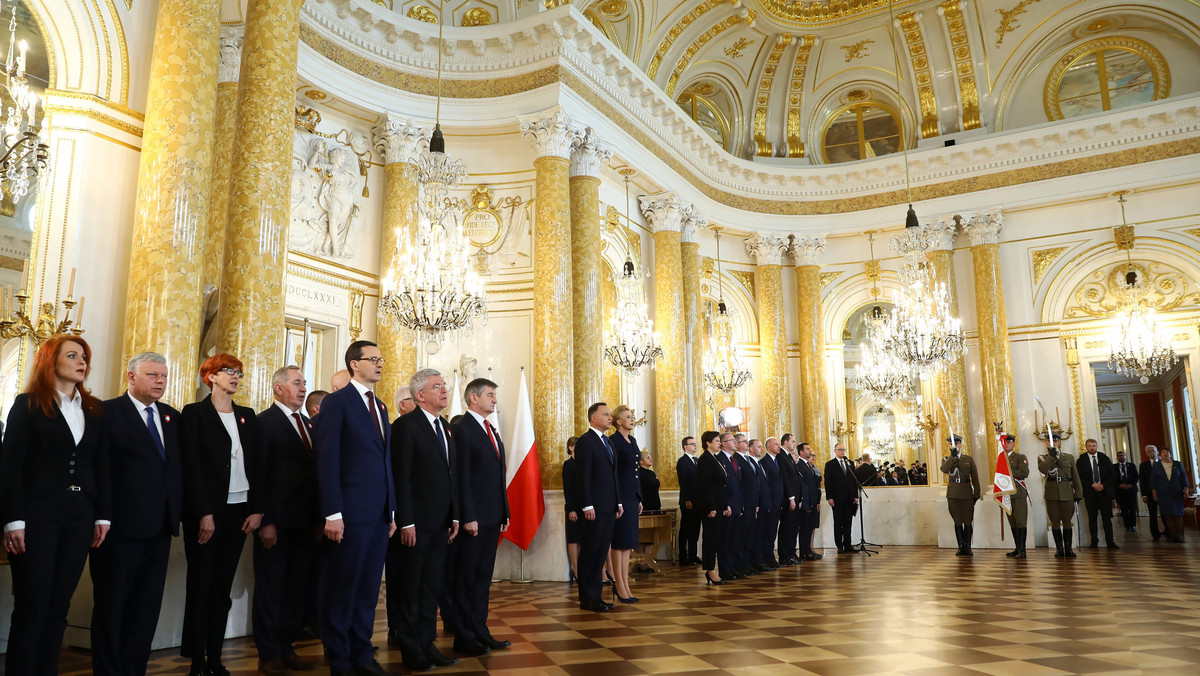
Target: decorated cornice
x: 666, y: 212
x: 399, y: 140
x: 766, y: 249
x: 589, y: 156
x: 553, y: 133
x: 983, y: 227
x: 693, y: 223
x: 485, y: 66
x: 230, y: 65
x: 806, y: 249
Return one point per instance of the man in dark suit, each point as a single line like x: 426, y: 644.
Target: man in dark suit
x: 901, y: 473
x: 484, y: 500
x: 809, y: 502
x: 867, y: 473
x: 1095, y: 471
x: 841, y: 491
x: 425, y: 462
x: 597, y: 483
x: 729, y: 559
x: 748, y: 475
x: 130, y: 570
x: 354, y: 479
x: 789, y: 478
x: 1127, y: 490
x: 772, y: 500
x: 689, y: 513
x: 1144, y: 472
x: 284, y: 548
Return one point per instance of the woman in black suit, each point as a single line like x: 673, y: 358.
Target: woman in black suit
x: 713, y: 504
x: 571, y: 506
x: 55, y: 499
x: 222, y: 466
x: 651, y: 502
x: 629, y: 496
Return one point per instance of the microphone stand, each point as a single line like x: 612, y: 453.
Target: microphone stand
x: 863, y: 545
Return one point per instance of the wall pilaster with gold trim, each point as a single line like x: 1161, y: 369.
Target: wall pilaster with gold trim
x: 554, y: 135
x: 586, y: 268
x: 806, y: 252
x: 694, y: 342
x: 951, y: 382
x: 228, y: 69
x: 767, y: 251
x: 995, y: 358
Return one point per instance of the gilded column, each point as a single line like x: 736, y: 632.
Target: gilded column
x: 666, y: 214
x: 951, y: 382
x: 163, y: 308
x: 806, y: 251
x: 586, y: 267
x: 227, y: 92
x: 694, y: 343
x: 259, y: 197
x: 553, y: 136
x: 772, y: 334
x: 994, y: 357
x: 398, y: 141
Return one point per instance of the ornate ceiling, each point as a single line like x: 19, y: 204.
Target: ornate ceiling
x: 817, y: 82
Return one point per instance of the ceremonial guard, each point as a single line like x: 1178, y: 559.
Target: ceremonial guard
x: 1063, y: 490
x: 962, y: 492
x: 1018, y: 469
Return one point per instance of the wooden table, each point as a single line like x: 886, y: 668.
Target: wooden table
x: 655, y: 528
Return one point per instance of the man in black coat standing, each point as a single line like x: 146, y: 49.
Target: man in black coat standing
x: 1127, y: 491
x: 689, y: 511
x: 129, y: 570
x: 841, y: 491
x: 597, y: 481
x: 425, y: 464
x: 748, y: 475
x: 1099, y: 490
x: 771, y: 499
x: 789, y: 515
x: 809, y: 502
x: 1150, y: 452
x: 484, y: 501
x: 285, y: 545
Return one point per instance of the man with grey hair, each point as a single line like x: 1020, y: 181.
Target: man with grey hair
x: 1150, y: 453
x: 130, y: 570
x: 404, y: 401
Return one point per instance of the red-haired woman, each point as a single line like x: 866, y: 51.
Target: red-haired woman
x: 55, y: 499
x: 222, y: 470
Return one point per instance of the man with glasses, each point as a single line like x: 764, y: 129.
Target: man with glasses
x: 354, y: 478
x: 689, y: 513
x: 841, y: 491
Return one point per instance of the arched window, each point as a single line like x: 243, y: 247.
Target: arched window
x: 1103, y: 75
x: 859, y: 131
x: 706, y: 113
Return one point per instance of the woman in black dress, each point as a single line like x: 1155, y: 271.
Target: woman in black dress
x: 713, y: 504
x: 649, y: 480
x: 571, y: 506
x: 54, y: 499
x: 629, y: 496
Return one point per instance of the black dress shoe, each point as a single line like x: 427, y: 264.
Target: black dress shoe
x: 814, y: 557
x: 437, y: 658
x: 417, y: 664
x: 372, y: 668
x: 198, y: 671
x: 217, y: 670
x: 394, y: 640
x: 595, y: 605
x: 297, y: 663
x: 1094, y: 545
x: 471, y: 648
x: 493, y: 643
x: 1113, y: 545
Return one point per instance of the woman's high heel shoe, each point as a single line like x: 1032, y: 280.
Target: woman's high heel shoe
x: 631, y: 599
x: 712, y: 581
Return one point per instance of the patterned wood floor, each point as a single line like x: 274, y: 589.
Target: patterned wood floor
x: 909, y: 610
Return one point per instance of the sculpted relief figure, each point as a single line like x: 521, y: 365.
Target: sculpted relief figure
x: 327, y: 194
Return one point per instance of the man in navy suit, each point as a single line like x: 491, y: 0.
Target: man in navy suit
x: 808, y: 504
x: 425, y: 459
x: 747, y: 472
x: 689, y: 512
x: 597, y: 471
x: 129, y: 570
x: 284, y: 548
x: 789, y: 477
x: 483, y: 499
x: 772, y: 500
x: 354, y: 479
x: 1127, y: 490
x: 730, y: 560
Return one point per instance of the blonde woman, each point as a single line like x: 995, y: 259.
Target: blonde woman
x: 629, y: 495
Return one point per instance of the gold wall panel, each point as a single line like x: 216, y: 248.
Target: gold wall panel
x: 922, y: 74
x: 670, y: 379
x: 795, y: 96
x: 964, y: 64
x: 1043, y: 259
x: 163, y: 311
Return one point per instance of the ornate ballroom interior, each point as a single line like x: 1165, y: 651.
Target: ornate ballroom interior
x: 694, y: 208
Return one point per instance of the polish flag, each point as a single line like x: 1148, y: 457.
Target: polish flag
x: 1002, y: 486
x: 524, y: 478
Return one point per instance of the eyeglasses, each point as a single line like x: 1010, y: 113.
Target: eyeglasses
x: 374, y: 360
x: 231, y: 371
x: 439, y: 386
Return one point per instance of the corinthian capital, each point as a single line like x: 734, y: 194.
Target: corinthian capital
x: 767, y: 249
x: 941, y: 233
x: 984, y: 227
x: 806, y: 249
x: 553, y: 134
x: 231, y: 53
x: 399, y: 140
x: 693, y: 223
x: 666, y: 212
x: 589, y: 156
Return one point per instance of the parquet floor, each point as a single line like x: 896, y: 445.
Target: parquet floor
x: 908, y: 610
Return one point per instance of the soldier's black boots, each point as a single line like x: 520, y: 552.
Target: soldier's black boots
x: 968, y: 531
x: 1067, y: 536
x: 1058, y: 543
x: 958, y: 534
x: 1021, y: 533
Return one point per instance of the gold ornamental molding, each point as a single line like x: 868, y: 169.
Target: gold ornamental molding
x: 921, y: 72
x: 1103, y: 292
x: 762, y: 100
x: 1159, y: 69
x: 746, y: 279
x: 828, y: 278
x: 674, y: 33
x: 795, y: 96
x: 1008, y: 19
x: 704, y: 38
x: 1043, y: 259
x: 808, y: 14
x: 858, y: 50
x: 964, y: 65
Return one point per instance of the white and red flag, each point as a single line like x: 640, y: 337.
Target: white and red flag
x: 524, y: 480
x: 1002, y: 486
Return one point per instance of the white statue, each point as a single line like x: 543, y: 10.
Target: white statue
x: 327, y: 194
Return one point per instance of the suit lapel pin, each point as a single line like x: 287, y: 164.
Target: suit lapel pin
x: 167, y: 418
x: 242, y: 420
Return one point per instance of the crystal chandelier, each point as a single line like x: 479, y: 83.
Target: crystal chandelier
x: 724, y: 368
x: 632, y: 343
x: 431, y: 288
x: 881, y: 434
x: 880, y: 374
x: 1138, y: 350
x: 25, y: 152
x: 920, y: 331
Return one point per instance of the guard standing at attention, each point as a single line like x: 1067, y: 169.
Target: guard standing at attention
x: 1063, y: 490
x: 962, y: 492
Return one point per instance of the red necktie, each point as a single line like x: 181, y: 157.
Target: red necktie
x: 487, y: 426
x: 374, y: 412
x: 303, y: 434
x: 733, y: 461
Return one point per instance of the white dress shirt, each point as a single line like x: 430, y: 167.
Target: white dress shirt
x: 141, y: 409
x: 289, y: 413
x: 239, y: 484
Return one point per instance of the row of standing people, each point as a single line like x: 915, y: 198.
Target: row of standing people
x: 119, y: 477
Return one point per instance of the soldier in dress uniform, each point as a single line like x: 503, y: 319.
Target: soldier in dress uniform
x: 1063, y: 490
x: 962, y: 492
x: 1018, y: 469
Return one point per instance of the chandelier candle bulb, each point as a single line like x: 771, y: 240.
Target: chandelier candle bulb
x: 71, y: 285
x: 79, y: 316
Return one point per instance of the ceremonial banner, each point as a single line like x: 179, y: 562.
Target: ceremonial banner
x: 1002, y: 486
x: 525, y: 501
